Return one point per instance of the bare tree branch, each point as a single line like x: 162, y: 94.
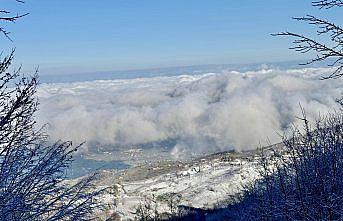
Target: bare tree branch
x: 9, y: 18
x: 329, y: 48
x: 327, y: 3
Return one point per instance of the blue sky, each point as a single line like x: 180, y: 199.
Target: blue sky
x: 64, y: 36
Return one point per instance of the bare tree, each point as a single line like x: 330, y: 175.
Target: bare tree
x: 330, y: 47
x: 303, y: 181
x: 32, y: 169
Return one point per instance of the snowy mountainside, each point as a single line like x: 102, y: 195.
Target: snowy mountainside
x: 206, y: 183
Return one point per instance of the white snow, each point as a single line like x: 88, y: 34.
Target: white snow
x: 204, y: 184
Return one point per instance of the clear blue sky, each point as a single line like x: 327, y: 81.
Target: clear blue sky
x: 64, y: 36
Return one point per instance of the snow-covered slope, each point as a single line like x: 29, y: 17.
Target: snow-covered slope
x: 204, y: 183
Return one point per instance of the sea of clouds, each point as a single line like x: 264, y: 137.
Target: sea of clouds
x: 199, y: 113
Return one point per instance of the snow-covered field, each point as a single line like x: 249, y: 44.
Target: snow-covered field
x: 208, y: 182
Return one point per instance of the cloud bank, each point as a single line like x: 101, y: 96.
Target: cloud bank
x: 199, y: 113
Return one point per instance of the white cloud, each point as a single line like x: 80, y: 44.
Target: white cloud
x: 209, y: 112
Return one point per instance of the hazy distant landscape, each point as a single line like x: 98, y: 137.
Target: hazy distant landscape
x: 47, y: 77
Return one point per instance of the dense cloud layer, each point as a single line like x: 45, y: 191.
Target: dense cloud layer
x: 202, y: 113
